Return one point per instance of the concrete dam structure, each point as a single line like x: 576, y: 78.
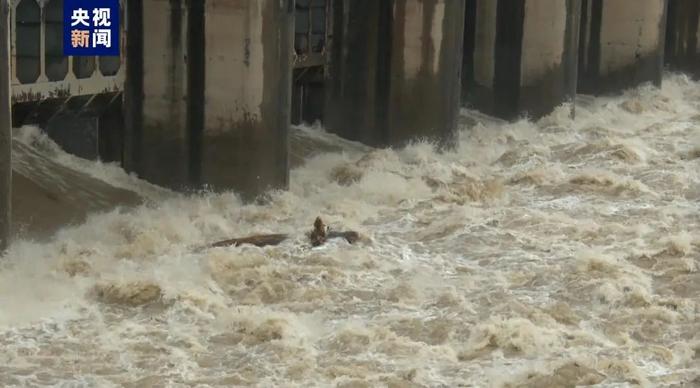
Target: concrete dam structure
x: 204, y: 92
x: 520, y: 56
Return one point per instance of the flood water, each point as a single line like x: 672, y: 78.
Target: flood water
x: 537, y: 254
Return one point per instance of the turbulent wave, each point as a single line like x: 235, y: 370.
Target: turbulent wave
x: 52, y: 189
x: 536, y: 254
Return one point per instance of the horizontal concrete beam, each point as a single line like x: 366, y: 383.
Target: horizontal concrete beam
x: 520, y: 56
x: 621, y: 45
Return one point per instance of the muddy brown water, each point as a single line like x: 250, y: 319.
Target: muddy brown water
x: 556, y: 253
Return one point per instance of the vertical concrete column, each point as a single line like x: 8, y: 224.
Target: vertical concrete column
x: 246, y: 73
x: 208, y: 93
x: 357, y: 84
x: 622, y: 44
x: 520, y: 56
x: 5, y: 127
x: 157, y: 140
x: 683, y: 36
x: 394, y: 71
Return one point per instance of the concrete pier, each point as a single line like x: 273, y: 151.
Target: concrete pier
x: 394, y: 72
x: 683, y: 36
x: 156, y: 138
x: 208, y: 93
x: 621, y: 45
x: 5, y: 127
x: 520, y: 56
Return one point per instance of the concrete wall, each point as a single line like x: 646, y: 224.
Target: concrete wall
x: 248, y: 46
x: 522, y: 56
x: 549, y: 67
x: 543, y: 39
x: 5, y: 128
x: 158, y: 144
x: 622, y: 45
x: 683, y: 36
x: 395, y: 69
x: 484, y: 55
x: 357, y: 80
x: 207, y: 93
x: 425, y: 69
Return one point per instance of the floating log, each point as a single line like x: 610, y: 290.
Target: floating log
x: 260, y: 240
x: 318, y: 236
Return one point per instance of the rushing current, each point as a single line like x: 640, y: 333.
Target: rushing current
x: 553, y: 253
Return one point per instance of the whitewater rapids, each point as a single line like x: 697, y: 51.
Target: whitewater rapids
x: 538, y: 254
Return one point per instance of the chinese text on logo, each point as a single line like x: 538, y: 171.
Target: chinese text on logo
x: 91, y: 27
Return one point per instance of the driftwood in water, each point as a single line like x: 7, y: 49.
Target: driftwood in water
x: 318, y: 236
x: 258, y: 240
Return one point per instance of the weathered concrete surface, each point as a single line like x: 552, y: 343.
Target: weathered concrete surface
x: 395, y: 69
x: 156, y: 140
x: 5, y: 127
x: 683, y: 36
x: 208, y: 103
x: 247, y: 89
x: 622, y: 44
x: 520, y: 57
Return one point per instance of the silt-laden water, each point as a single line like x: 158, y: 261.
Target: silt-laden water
x: 537, y: 254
